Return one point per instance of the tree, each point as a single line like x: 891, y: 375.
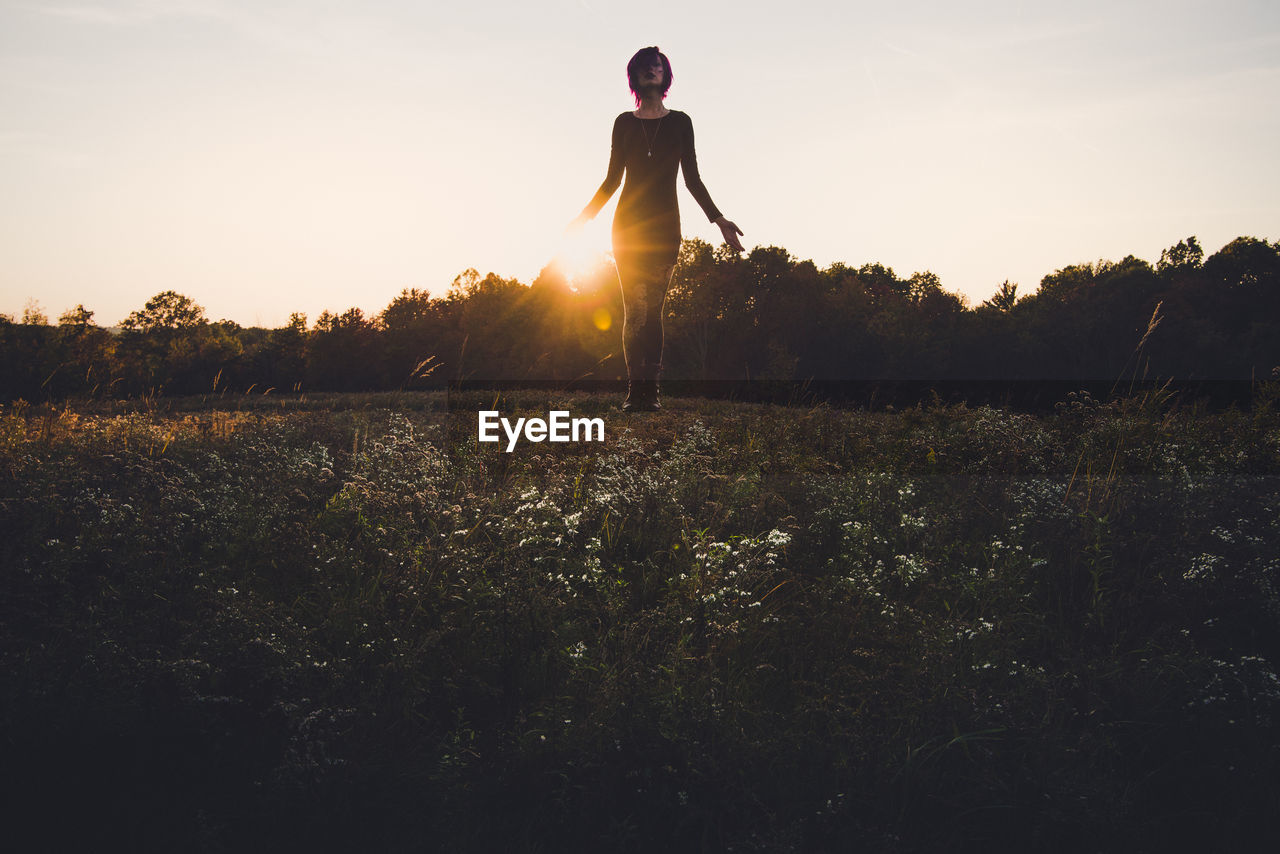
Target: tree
x: 343, y: 353
x: 1185, y: 254
x: 1067, y: 284
x: 160, y: 344
x: 495, y: 318
x: 76, y: 318
x: 412, y: 329
x: 166, y: 310
x: 1246, y: 264
x: 84, y: 352
x: 842, y: 344
x: 1243, y: 296
x: 1005, y: 298
x: 34, y: 315
x: 712, y: 311
x: 25, y: 354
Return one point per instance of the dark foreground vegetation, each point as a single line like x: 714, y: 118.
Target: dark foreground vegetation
x: 763, y: 317
x: 343, y: 624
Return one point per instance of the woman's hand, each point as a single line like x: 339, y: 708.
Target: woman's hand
x: 730, y: 232
x: 576, y: 225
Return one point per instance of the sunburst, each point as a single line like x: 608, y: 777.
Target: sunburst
x: 581, y: 256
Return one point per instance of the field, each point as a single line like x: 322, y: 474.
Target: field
x: 342, y: 623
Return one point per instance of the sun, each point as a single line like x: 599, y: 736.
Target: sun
x: 581, y: 256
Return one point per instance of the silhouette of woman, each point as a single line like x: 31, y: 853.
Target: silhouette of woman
x: 649, y: 145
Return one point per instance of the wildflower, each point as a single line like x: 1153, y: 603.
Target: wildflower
x: 777, y: 539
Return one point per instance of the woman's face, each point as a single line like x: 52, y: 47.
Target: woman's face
x: 652, y: 75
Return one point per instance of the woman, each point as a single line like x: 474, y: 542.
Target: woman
x: 649, y: 145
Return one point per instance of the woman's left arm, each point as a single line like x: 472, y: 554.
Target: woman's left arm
x: 692, y: 180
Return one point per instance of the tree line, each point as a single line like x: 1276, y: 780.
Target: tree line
x: 761, y: 316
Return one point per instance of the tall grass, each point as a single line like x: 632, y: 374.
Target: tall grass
x: 348, y: 625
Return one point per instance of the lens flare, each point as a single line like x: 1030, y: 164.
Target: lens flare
x: 602, y: 319
x: 581, y: 257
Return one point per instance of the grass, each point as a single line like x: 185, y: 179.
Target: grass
x: 341, y: 623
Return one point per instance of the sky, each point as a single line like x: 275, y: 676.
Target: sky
x: 265, y: 157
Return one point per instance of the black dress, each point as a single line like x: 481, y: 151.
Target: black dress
x: 646, y: 226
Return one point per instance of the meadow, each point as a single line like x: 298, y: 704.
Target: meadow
x: 341, y: 623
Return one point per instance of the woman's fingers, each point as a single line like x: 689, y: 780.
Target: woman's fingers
x: 731, y: 232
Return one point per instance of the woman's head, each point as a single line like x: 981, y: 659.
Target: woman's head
x: 642, y: 72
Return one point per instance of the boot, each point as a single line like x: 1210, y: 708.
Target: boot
x: 642, y: 396
x: 642, y: 390
x: 651, y: 394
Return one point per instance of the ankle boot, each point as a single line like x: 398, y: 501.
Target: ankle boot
x: 642, y: 396
x: 651, y: 386
x: 651, y: 395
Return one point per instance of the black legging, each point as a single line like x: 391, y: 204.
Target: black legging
x: 645, y: 278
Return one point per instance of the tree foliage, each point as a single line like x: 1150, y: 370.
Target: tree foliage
x: 765, y: 315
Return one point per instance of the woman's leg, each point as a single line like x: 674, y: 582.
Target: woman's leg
x: 645, y: 278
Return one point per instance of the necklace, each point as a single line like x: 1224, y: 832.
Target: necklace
x: 644, y: 130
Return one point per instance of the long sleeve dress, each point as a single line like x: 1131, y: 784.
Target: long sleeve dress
x: 646, y: 225
x: 650, y: 151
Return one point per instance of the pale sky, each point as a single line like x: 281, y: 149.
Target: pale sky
x: 270, y: 156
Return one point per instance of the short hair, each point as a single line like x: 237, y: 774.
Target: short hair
x: 640, y: 63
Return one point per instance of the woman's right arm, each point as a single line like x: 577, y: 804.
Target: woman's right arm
x: 612, y: 178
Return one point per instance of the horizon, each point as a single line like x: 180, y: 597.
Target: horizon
x: 265, y: 158
x: 570, y: 278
